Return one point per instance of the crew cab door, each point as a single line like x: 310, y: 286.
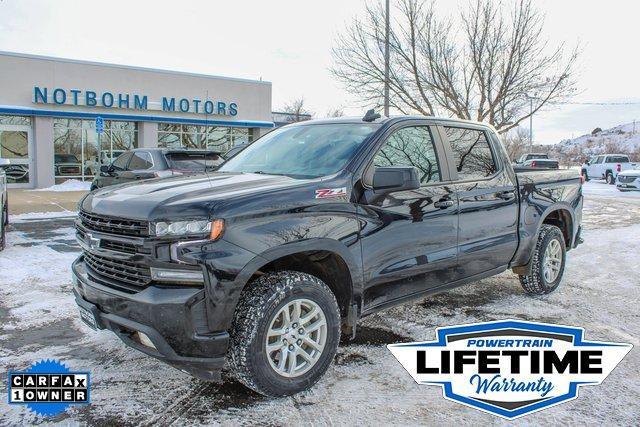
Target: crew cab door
x: 408, y: 238
x: 487, y: 197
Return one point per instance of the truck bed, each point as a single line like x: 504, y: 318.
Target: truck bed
x: 544, y: 176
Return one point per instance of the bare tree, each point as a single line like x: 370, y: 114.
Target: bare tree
x: 297, y: 111
x: 488, y: 65
x: 516, y: 142
x: 335, y: 112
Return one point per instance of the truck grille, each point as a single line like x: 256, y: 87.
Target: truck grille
x: 125, y: 227
x: 626, y: 179
x: 127, y: 276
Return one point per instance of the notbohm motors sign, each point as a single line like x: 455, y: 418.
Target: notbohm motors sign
x: 510, y: 368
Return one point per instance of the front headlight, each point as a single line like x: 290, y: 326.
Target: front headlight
x: 181, y: 228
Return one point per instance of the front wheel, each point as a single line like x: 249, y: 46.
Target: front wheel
x: 585, y: 174
x: 610, y: 179
x: 547, y: 265
x: 285, y: 333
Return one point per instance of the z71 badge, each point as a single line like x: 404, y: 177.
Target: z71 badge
x: 510, y: 368
x: 327, y: 193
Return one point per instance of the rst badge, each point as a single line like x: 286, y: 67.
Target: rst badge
x: 510, y: 368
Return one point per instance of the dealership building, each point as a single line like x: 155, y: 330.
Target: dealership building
x: 49, y: 106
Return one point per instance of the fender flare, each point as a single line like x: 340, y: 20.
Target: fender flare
x: 558, y: 206
x: 315, y: 244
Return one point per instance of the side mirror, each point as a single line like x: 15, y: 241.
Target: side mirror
x: 105, y: 169
x: 395, y: 178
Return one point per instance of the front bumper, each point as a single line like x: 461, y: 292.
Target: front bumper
x: 174, y: 319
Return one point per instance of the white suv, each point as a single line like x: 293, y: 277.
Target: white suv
x: 606, y: 166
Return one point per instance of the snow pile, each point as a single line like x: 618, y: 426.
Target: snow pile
x: 69, y: 185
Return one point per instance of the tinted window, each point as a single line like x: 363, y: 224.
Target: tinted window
x: 471, y: 153
x: 141, y: 160
x: 121, y: 161
x: 303, y: 151
x: 194, y: 161
x: 618, y: 159
x: 599, y: 159
x: 411, y: 146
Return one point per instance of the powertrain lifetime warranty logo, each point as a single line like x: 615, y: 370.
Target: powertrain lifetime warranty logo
x: 510, y: 368
x: 48, y: 387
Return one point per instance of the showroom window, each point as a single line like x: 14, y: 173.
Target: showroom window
x: 14, y: 145
x: 76, y: 146
x: 217, y: 138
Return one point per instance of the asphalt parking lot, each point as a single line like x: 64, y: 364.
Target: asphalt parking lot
x: 365, y: 385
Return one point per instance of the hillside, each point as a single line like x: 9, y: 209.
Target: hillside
x: 623, y: 138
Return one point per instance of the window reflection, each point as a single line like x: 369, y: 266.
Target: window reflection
x: 215, y: 138
x: 76, y: 146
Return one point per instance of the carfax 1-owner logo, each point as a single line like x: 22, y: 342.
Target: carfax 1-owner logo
x: 48, y: 387
x: 510, y: 368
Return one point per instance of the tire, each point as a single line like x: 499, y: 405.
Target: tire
x: 585, y: 174
x: 5, y: 213
x: 537, y: 282
x: 610, y: 179
x: 3, y: 228
x: 262, y: 306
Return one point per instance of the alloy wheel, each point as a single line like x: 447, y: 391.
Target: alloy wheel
x: 296, y: 338
x: 552, y: 261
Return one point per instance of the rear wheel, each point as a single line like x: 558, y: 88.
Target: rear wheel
x: 284, y: 334
x: 547, y: 265
x: 610, y: 179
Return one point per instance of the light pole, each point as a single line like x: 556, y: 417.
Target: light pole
x: 386, y: 61
x: 530, y: 123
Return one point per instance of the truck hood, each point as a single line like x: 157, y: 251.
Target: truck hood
x: 192, y: 196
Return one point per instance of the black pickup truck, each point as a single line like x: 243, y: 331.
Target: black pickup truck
x: 263, y: 263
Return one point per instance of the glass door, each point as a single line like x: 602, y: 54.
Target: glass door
x: 15, y: 143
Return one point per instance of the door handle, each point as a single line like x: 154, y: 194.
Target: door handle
x: 443, y: 204
x: 506, y: 195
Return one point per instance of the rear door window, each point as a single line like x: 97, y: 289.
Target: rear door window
x: 141, y: 160
x: 472, y: 153
x: 121, y: 162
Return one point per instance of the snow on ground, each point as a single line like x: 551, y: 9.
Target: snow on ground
x: 365, y: 384
x: 68, y: 185
x: 41, y: 215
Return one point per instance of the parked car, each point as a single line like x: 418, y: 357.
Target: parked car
x: 629, y: 180
x: 146, y: 163
x: 15, y: 173
x: 606, y: 166
x: 67, y: 165
x: 4, y: 203
x: 541, y: 163
x: 531, y: 156
x: 316, y: 224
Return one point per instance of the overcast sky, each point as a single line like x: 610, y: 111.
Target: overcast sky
x: 289, y: 42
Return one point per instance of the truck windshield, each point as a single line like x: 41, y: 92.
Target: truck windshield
x: 307, y: 151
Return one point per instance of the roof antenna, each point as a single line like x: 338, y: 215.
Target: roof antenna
x: 370, y: 116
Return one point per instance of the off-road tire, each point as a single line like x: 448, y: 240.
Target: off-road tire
x: 534, y: 283
x: 610, y: 179
x: 262, y: 299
